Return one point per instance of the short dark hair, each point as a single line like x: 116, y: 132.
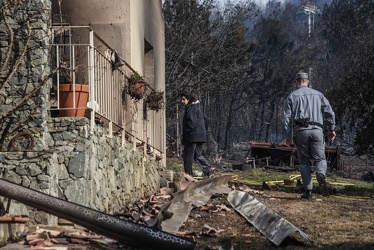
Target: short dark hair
x: 188, y: 95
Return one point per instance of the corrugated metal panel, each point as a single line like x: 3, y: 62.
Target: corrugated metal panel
x: 268, y: 222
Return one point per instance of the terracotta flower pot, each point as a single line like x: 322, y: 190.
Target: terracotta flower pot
x: 137, y: 89
x: 67, y: 99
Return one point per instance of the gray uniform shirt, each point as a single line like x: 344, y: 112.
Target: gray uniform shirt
x: 309, y: 103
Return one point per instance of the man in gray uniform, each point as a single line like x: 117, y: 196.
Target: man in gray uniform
x: 305, y: 112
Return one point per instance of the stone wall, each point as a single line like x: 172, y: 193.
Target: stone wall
x: 82, y: 166
x: 24, y: 39
x: 24, y: 58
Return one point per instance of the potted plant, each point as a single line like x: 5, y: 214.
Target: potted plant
x: 136, y: 86
x: 73, y: 96
x: 155, y: 100
x: 71, y: 64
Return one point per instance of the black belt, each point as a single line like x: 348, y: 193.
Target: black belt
x: 306, y: 123
x: 316, y: 123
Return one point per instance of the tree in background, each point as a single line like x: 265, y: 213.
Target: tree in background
x: 206, y: 51
x: 281, y: 52
x: 347, y: 68
x: 233, y: 64
x: 187, y: 36
x: 242, y: 65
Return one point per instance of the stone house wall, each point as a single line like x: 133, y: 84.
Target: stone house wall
x: 90, y: 169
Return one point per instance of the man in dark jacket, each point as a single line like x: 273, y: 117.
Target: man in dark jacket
x: 194, y: 135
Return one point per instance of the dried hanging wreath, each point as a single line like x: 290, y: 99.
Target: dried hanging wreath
x: 155, y: 100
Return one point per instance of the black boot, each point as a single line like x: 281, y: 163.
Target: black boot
x: 320, y: 178
x: 307, y: 195
x: 323, y: 185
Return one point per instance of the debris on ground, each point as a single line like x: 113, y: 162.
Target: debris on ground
x: 62, y: 238
x: 199, y: 210
x: 268, y: 222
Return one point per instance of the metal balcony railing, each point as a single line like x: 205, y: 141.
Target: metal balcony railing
x: 81, y: 57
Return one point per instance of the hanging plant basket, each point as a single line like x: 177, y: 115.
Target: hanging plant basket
x: 136, y: 86
x: 155, y: 100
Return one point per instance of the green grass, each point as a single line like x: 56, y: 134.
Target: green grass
x: 177, y: 165
x: 255, y: 177
x: 174, y: 165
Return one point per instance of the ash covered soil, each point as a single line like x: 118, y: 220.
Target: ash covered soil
x: 343, y: 220
x: 335, y: 222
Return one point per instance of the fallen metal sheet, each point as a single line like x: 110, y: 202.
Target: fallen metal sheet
x: 197, y: 194
x: 126, y: 231
x: 268, y: 222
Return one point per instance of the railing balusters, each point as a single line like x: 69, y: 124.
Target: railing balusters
x: 106, y: 87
